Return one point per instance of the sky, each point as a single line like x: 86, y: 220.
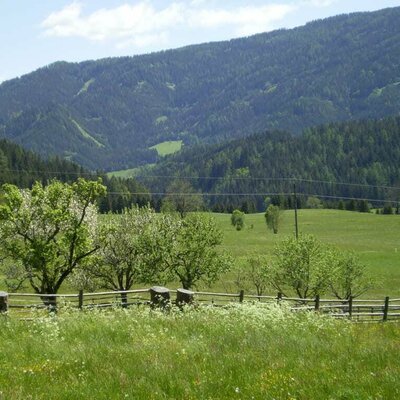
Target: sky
x: 35, y: 33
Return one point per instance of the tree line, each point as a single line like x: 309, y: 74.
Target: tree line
x: 23, y: 168
x: 363, y: 154
x: 346, y: 165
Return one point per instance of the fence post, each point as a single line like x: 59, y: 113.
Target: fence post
x: 386, y: 309
x: 80, y: 299
x: 350, y: 306
x: 159, y: 296
x: 124, y: 299
x: 317, y: 300
x: 184, y: 296
x: 3, y: 302
x: 241, y: 296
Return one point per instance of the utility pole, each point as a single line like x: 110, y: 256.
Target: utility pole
x: 295, y: 211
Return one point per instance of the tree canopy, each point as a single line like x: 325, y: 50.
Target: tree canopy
x: 48, y: 231
x: 195, y: 256
x: 133, y: 248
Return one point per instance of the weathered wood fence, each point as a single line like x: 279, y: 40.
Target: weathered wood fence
x: 21, y: 304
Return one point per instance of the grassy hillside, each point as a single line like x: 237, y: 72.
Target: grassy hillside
x: 124, y: 173
x: 130, y: 172
x: 169, y: 147
x: 375, y: 238
x: 244, y: 352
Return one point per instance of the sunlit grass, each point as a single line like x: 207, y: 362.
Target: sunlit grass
x: 128, y: 173
x: 375, y: 238
x: 169, y: 147
x: 244, y: 352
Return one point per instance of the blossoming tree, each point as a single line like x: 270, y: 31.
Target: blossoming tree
x: 48, y: 231
x: 134, y: 248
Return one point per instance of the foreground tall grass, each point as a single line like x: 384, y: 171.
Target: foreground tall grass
x: 241, y: 352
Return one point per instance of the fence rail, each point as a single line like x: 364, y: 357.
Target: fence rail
x: 355, y: 309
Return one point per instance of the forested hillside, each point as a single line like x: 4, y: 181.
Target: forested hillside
x: 108, y: 113
x: 365, y: 153
x: 22, y: 168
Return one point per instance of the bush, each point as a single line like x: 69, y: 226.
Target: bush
x: 237, y: 219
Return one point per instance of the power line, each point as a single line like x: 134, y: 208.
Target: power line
x: 322, y: 196
x: 265, y: 194
x: 227, y: 178
x: 52, y: 172
x: 227, y: 194
x: 283, y: 179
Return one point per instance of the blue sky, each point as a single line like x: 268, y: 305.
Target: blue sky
x: 35, y: 33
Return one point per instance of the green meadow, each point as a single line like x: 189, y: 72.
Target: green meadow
x: 241, y: 352
x: 169, y: 147
x: 123, y: 173
x: 130, y: 172
x: 163, y: 149
x: 375, y: 238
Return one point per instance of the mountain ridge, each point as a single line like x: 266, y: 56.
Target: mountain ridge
x: 108, y: 113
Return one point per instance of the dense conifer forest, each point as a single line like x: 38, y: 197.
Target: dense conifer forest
x: 22, y: 168
x: 107, y: 114
x: 364, y: 153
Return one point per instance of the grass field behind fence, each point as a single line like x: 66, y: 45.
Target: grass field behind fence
x: 243, y: 352
x: 375, y: 238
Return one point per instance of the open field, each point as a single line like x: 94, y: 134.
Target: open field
x: 168, y: 147
x: 243, y: 352
x: 128, y: 173
x: 375, y: 238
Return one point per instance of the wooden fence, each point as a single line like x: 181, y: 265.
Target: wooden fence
x: 25, y: 304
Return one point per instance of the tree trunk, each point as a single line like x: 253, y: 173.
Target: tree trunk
x: 50, y: 302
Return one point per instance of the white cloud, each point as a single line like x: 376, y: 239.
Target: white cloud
x: 197, y: 2
x: 64, y: 22
x: 141, y: 24
x: 125, y: 21
x: 244, y: 20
